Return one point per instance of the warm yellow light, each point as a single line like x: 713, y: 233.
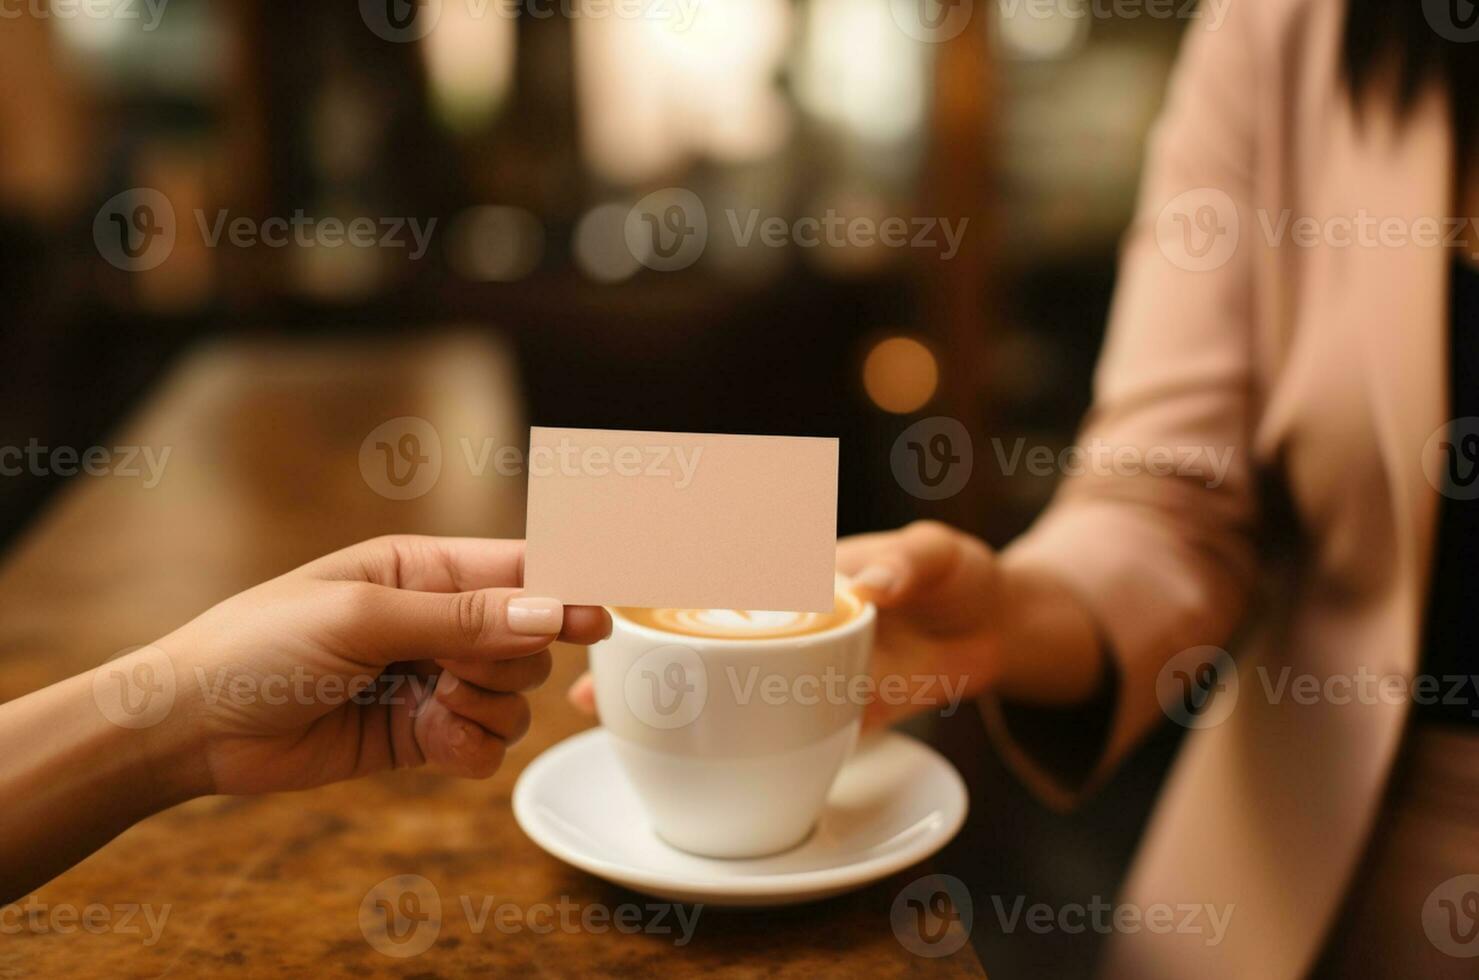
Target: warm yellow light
x: 683, y: 80
x: 857, y: 69
x: 470, y: 62
x: 600, y: 246
x: 900, y: 375
x: 495, y: 244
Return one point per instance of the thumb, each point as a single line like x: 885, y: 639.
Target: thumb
x: 388, y: 624
x: 926, y: 564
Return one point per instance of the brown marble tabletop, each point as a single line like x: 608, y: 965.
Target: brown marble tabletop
x: 264, y: 473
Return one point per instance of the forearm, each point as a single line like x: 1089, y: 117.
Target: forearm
x: 72, y: 779
x: 1050, y: 647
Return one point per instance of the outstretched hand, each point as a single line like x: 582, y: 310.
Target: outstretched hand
x: 396, y: 652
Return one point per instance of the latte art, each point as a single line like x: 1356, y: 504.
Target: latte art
x: 742, y: 624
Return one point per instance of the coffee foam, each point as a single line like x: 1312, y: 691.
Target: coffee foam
x: 742, y: 624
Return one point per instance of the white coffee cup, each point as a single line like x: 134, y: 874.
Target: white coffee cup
x: 732, y: 743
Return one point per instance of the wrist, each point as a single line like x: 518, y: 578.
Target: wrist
x: 1012, y: 634
x: 1048, y: 643
x: 86, y: 758
x: 164, y: 736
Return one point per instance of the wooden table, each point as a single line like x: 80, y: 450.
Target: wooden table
x: 264, y: 474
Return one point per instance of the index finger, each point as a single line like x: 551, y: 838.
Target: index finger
x: 854, y: 552
x: 924, y: 562
x: 424, y: 563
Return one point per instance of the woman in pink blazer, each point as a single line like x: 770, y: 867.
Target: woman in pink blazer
x: 1294, y: 292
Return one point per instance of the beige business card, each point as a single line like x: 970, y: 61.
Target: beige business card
x: 682, y: 519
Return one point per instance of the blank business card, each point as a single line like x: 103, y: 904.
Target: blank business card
x: 681, y: 519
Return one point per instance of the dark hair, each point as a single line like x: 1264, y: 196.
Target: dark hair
x: 1418, y: 42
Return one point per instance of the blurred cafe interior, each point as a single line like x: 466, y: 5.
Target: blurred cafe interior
x: 527, y: 137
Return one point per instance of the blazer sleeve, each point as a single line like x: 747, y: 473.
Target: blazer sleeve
x: 1154, y: 532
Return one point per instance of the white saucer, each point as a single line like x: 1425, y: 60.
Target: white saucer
x: 896, y: 802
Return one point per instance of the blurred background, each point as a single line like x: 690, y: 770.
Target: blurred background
x: 511, y: 155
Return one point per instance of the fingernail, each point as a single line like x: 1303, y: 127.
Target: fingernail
x: 535, y: 616
x: 447, y: 683
x: 879, y: 578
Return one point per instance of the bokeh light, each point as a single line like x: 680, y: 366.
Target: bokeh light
x: 495, y: 244
x: 900, y: 375
x: 600, y: 244
x: 470, y: 62
x: 1043, y: 34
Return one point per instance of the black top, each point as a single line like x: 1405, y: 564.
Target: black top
x: 1452, y: 629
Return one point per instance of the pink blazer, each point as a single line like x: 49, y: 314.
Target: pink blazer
x: 1323, y: 368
